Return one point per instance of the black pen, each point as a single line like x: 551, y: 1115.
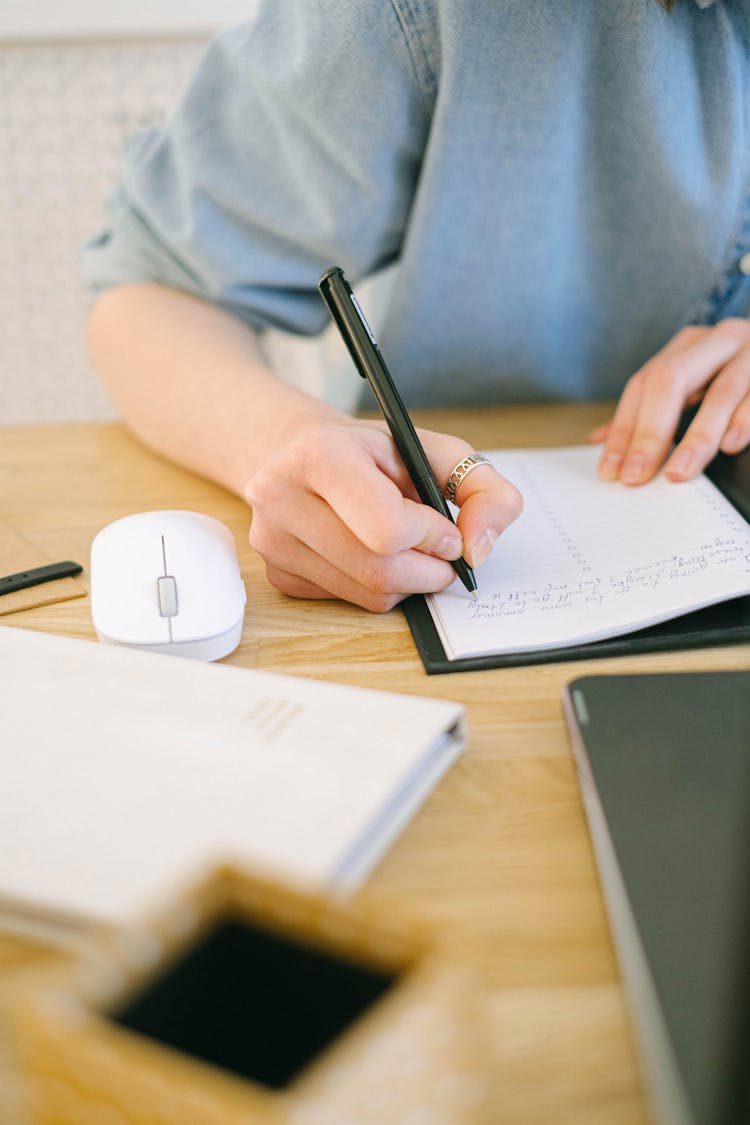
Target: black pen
x: 363, y: 348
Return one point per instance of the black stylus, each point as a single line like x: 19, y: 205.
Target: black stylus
x: 38, y: 574
x: 363, y: 348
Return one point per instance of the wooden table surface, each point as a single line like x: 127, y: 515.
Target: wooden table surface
x: 499, y: 858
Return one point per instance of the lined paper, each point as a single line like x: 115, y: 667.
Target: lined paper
x: 588, y: 560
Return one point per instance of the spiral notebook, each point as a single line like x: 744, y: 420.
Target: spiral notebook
x: 598, y: 569
x: 124, y: 772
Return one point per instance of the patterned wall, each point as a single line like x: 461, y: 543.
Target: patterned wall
x: 66, y: 113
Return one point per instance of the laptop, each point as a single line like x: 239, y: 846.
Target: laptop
x: 664, y: 765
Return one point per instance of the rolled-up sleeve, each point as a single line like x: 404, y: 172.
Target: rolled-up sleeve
x: 297, y: 146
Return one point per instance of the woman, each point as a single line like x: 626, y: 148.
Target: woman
x: 565, y: 189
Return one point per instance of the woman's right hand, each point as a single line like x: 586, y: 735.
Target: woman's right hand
x: 335, y: 515
x: 334, y: 512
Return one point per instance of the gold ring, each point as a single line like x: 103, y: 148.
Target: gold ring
x: 462, y: 470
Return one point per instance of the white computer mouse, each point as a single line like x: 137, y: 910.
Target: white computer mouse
x: 168, y: 582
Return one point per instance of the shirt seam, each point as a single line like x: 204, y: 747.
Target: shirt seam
x: 406, y: 12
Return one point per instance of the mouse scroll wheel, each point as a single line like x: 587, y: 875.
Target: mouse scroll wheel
x: 166, y: 588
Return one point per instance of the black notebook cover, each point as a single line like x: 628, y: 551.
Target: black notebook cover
x: 722, y: 624
x: 664, y: 767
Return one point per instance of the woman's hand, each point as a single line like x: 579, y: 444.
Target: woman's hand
x: 335, y: 515
x: 706, y: 365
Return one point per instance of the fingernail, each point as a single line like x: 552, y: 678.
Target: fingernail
x: 732, y: 438
x: 633, y: 468
x: 482, y: 547
x: 680, y: 462
x: 449, y: 548
x: 609, y: 466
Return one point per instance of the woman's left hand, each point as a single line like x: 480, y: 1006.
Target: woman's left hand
x: 710, y: 365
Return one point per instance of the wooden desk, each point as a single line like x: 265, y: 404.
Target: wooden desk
x: 499, y: 857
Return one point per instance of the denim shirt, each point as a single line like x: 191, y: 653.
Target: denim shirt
x: 563, y: 184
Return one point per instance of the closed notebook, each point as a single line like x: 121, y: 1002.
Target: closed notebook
x: 124, y: 771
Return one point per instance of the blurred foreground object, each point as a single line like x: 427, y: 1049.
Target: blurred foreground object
x: 250, y: 1002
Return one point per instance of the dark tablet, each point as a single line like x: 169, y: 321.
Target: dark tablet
x: 664, y: 762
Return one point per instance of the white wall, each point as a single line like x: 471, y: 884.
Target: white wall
x: 77, y: 78
x: 27, y: 20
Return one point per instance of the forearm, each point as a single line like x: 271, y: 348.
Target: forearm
x: 191, y: 382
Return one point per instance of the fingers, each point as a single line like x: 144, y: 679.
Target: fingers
x: 325, y: 553
x: 619, y: 432
x: 334, y: 515
x: 354, y: 477
x: 647, y: 415
x: 737, y: 436
x: 488, y: 503
x: 722, y: 422
x: 600, y: 433
x: 650, y: 407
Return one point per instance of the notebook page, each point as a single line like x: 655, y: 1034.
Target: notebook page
x: 588, y: 560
